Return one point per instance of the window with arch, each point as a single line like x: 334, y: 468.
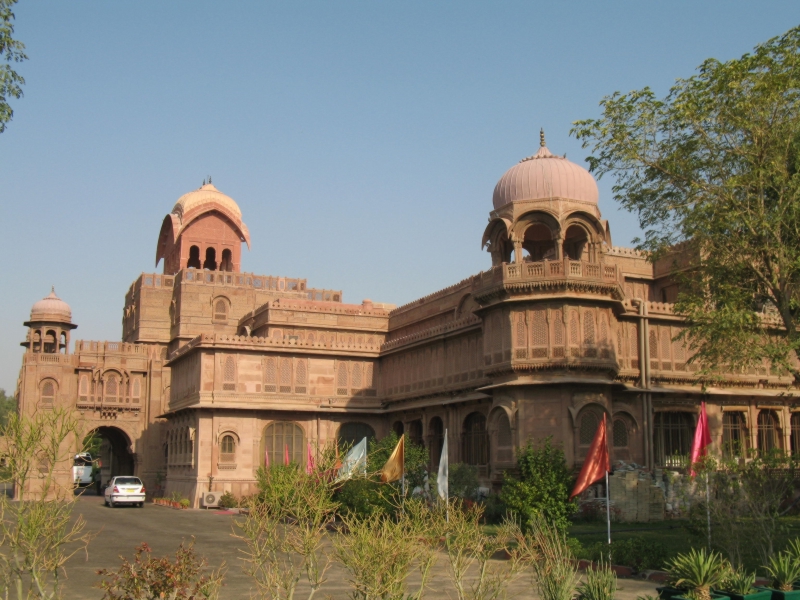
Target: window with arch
x: 227, y: 448
x: 795, y: 437
x: 286, y: 375
x: 227, y: 260
x: 48, y: 391
x: 734, y: 435
x: 587, y: 426
x: 194, y: 258
x: 574, y: 331
x: 356, y: 377
x: 270, y: 375
x: 111, y: 388
x: 665, y: 347
x: 398, y: 428
x: 672, y: 438
x: 352, y: 433
x: 769, y: 437
x: 435, y: 440
x: 653, y: 345
x: 558, y: 333
x: 520, y: 340
x: 619, y: 434
x: 341, y: 379
x: 229, y: 374
x: 220, y: 310
x: 539, y: 333
x: 415, y: 432
x: 282, y: 438
x: 589, y: 334
x: 475, y: 440
x: 504, y: 451
x: 575, y: 240
x: 83, y: 388
x: 136, y: 390
x: 300, y: 376
x: 210, y: 263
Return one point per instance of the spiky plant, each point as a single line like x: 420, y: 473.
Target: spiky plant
x: 784, y: 569
x: 699, y: 571
x: 739, y: 582
x: 600, y: 584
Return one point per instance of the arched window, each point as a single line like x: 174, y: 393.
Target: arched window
x: 48, y: 391
x: 795, y: 422
x: 575, y: 240
x: 769, y: 437
x: 51, y: 342
x: 505, y: 442
x: 229, y: 374
x: 227, y: 263
x: 588, y: 427
x: 353, y: 432
x: 734, y: 438
x: 111, y: 388
x: 435, y: 440
x: 520, y: 341
x: 398, y: 428
x: 136, y: 390
x: 474, y: 440
x: 558, y: 334
x: 539, y: 334
x: 270, y: 375
x: 653, y: 344
x: 356, y: 376
x: 341, y: 379
x: 415, y: 432
x: 300, y: 376
x: 620, y: 434
x: 227, y: 449
x: 672, y: 438
x: 665, y: 344
x: 220, y: 310
x: 83, y: 388
x: 588, y: 328
x: 283, y: 436
x: 194, y: 258
x: 286, y: 376
x: 210, y: 262
x: 574, y: 328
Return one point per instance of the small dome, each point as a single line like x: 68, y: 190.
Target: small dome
x: 543, y: 176
x: 207, y: 194
x: 51, y: 308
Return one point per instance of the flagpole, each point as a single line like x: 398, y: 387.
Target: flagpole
x: 708, y: 512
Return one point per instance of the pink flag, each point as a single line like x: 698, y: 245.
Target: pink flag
x: 309, y: 460
x: 286, y: 454
x: 702, y: 439
x: 266, y: 458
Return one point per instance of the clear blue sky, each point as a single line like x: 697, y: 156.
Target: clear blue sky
x: 362, y: 140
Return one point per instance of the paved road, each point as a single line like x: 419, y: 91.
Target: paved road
x: 122, y: 529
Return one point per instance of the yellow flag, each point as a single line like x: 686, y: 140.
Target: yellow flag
x: 393, y: 469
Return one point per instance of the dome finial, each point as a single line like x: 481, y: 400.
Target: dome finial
x: 541, y: 137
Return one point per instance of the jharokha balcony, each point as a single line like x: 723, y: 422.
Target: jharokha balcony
x: 549, y: 276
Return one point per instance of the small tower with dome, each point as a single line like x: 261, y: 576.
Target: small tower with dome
x: 545, y: 208
x: 49, y: 326
x: 204, y: 231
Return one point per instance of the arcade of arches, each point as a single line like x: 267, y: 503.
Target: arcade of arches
x: 219, y: 370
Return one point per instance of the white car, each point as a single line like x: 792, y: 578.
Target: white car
x: 124, y: 489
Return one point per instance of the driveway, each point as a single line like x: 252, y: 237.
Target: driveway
x: 122, y: 529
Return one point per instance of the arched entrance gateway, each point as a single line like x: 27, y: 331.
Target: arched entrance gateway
x: 114, y: 449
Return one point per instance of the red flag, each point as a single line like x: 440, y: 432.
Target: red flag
x: 596, y: 464
x: 286, y: 454
x: 702, y: 439
x: 309, y: 460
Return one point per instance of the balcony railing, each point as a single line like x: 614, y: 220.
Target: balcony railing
x: 551, y: 269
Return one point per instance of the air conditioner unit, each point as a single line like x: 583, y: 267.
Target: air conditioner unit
x: 210, y: 499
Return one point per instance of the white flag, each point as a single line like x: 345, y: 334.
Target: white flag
x: 355, y: 463
x: 444, y: 471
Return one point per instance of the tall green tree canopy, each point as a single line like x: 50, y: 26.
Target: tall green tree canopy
x: 11, y: 51
x: 715, y: 164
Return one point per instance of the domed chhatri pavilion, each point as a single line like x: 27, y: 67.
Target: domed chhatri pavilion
x: 218, y: 368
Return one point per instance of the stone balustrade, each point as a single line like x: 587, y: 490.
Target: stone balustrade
x: 550, y: 270
x: 119, y: 348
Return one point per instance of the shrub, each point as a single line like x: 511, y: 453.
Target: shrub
x: 600, y: 584
x: 554, y: 569
x: 699, y: 571
x: 739, y: 582
x: 228, y: 500
x: 784, y: 570
x: 462, y: 481
x: 542, y: 487
x: 494, y: 510
x: 184, y: 503
x: 147, y: 577
x: 637, y: 553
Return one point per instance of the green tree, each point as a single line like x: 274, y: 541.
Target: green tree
x: 716, y: 164
x: 11, y: 51
x: 8, y: 406
x: 542, y: 486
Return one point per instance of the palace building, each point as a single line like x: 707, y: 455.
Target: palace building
x: 217, y: 367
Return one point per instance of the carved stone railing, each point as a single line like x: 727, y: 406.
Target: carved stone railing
x: 550, y: 270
